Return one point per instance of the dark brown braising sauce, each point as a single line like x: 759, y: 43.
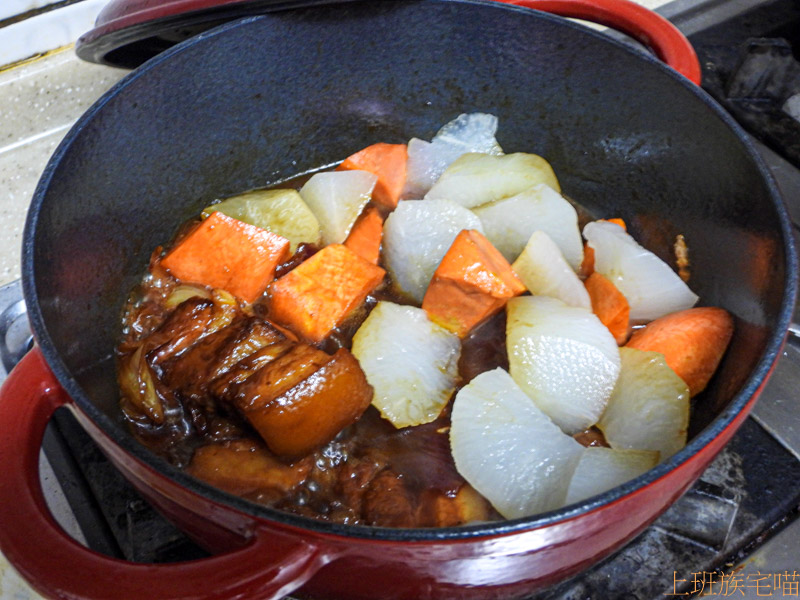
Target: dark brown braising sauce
x: 371, y: 473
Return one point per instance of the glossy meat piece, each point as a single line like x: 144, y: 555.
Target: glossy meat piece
x: 245, y: 467
x: 445, y: 510
x: 184, y: 326
x: 226, y: 386
x: 278, y: 376
x: 387, y: 502
x: 140, y: 371
x: 304, y: 398
x: 141, y: 364
x: 351, y: 481
x: 421, y: 453
x: 191, y: 372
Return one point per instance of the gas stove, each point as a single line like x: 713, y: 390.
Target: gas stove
x: 733, y: 533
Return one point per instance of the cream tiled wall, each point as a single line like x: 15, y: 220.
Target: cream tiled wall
x: 11, y: 8
x: 46, y: 31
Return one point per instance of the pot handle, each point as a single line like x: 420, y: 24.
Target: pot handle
x: 59, y: 567
x: 640, y: 23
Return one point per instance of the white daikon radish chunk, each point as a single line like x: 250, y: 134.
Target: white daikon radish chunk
x: 649, y: 408
x: 601, y: 469
x: 508, y: 449
x: 563, y: 357
x: 337, y: 198
x: 280, y: 211
x: 509, y: 223
x: 472, y: 132
x: 411, y: 362
x: 475, y: 179
x: 416, y: 236
x: 545, y: 272
x: 651, y: 287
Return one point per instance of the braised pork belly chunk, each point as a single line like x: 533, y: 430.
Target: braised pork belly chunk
x: 294, y: 395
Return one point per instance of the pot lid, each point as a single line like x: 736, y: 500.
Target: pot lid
x: 129, y: 32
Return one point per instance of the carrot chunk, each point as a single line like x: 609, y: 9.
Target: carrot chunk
x: 366, y: 235
x: 317, y: 295
x: 223, y: 252
x: 587, y: 266
x: 473, y: 282
x: 617, y: 221
x: 692, y: 341
x: 388, y: 162
x: 610, y: 306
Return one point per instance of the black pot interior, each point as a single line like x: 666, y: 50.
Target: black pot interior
x: 270, y: 97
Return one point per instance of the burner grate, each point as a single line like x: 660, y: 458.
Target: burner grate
x: 751, y: 65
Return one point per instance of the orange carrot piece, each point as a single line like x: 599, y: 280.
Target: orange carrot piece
x: 366, y: 235
x: 223, y: 252
x: 316, y: 296
x: 617, y: 221
x: 388, y: 162
x: 610, y: 306
x: 472, y: 283
x: 692, y: 341
x: 587, y: 266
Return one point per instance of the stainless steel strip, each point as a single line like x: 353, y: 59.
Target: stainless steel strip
x: 692, y: 16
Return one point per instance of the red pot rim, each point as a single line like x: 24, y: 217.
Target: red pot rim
x: 730, y: 417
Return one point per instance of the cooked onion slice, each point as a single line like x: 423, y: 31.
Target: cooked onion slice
x: 563, y: 357
x: 545, y: 272
x: 416, y: 236
x: 410, y: 361
x: 475, y: 179
x: 601, y: 469
x: 651, y: 287
x: 509, y: 223
x: 649, y: 409
x: 183, y: 292
x: 337, y: 198
x: 508, y: 449
x: 428, y: 160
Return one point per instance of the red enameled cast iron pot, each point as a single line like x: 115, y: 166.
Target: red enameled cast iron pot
x: 265, y: 98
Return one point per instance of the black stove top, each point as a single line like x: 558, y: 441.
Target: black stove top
x: 751, y: 65
x: 749, y: 493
